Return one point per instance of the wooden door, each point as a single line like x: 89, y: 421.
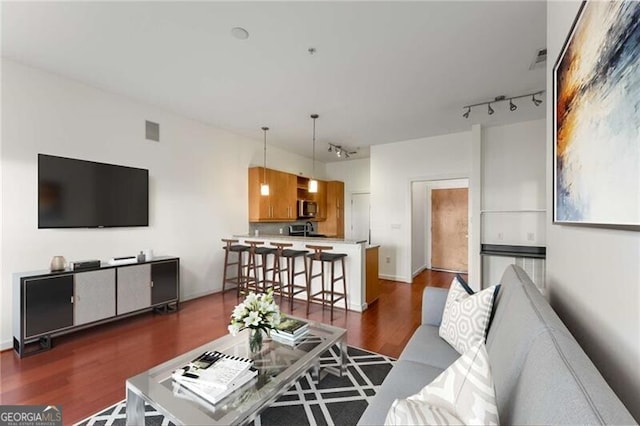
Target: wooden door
x: 449, y: 229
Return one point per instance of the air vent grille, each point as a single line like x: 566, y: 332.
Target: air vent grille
x: 152, y: 131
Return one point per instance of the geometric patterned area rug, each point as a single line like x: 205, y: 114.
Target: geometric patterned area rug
x: 333, y: 401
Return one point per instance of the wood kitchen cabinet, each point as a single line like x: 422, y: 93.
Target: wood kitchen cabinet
x: 320, y: 198
x: 334, y: 224
x: 280, y: 204
x: 372, y: 280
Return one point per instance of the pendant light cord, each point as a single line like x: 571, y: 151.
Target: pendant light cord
x: 264, y: 168
x: 314, y: 146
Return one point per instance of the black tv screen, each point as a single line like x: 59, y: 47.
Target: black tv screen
x: 85, y: 194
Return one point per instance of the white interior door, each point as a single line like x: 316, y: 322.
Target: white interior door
x: 360, y: 216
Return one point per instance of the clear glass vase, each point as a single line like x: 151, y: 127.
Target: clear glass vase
x: 256, y: 336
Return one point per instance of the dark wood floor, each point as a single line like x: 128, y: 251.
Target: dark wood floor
x: 86, y: 371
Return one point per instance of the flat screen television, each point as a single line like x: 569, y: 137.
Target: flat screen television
x: 85, y: 194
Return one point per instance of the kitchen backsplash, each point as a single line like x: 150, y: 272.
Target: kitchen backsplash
x: 274, y: 228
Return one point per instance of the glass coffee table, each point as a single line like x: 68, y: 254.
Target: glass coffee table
x: 279, y: 366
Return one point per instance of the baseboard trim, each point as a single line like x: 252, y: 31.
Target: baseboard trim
x: 395, y: 278
x: 6, y: 345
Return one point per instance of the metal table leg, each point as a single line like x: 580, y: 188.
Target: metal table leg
x: 135, y: 408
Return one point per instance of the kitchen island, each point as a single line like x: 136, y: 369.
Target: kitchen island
x: 355, y: 263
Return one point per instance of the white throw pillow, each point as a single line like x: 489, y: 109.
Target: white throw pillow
x: 466, y: 315
x: 462, y: 394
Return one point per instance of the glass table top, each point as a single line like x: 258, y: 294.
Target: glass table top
x: 279, y: 366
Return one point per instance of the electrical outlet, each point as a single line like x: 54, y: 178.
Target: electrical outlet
x: 387, y: 259
x: 531, y: 236
x: 280, y: 230
x: 500, y: 236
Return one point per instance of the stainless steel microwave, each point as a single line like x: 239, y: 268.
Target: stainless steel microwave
x: 307, y: 209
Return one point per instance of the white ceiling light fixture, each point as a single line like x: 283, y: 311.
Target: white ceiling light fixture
x: 497, y: 99
x: 313, y: 183
x: 264, y: 188
x: 239, y: 33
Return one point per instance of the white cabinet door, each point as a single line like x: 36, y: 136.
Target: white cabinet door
x: 134, y: 288
x: 94, y: 296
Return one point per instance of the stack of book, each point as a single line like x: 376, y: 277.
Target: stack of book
x: 290, y: 331
x: 213, y: 375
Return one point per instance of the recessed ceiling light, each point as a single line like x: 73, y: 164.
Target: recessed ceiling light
x: 240, y: 33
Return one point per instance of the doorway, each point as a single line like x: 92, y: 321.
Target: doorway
x: 449, y: 229
x: 360, y: 217
x: 439, y: 234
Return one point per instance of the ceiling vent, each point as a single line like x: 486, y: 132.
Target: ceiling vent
x: 540, y: 59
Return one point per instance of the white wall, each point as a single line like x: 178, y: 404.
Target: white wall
x: 356, y: 177
x: 593, y: 274
x: 418, y: 227
x: 393, y: 167
x: 513, y: 183
x: 198, y: 179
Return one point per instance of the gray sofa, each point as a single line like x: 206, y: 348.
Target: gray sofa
x: 541, y: 374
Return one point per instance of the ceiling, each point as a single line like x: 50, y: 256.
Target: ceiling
x: 381, y: 72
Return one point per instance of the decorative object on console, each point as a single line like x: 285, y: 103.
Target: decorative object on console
x: 58, y: 263
x: 84, y: 264
x: 125, y: 260
x: 260, y: 314
x: 596, y: 114
x: 148, y: 254
x: 466, y: 315
x: 313, y: 183
x: 140, y: 258
x: 462, y: 394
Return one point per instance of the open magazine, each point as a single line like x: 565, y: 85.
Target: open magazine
x: 214, y: 375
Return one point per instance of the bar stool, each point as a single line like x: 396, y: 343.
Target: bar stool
x: 232, y: 247
x: 289, y: 288
x: 326, y: 296
x: 257, y: 283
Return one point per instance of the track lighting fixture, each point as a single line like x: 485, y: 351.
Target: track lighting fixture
x: 512, y: 105
x: 535, y: 101
x: 341, y: 151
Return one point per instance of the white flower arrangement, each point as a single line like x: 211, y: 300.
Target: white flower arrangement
x: 258, y: 311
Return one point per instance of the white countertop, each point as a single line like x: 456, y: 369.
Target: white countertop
x: 315, y: 240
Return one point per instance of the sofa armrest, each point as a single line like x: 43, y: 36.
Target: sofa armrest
x: 433, y: 301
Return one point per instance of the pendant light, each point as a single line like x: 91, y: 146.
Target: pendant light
x: 313, y: 184
x: 264, y: 188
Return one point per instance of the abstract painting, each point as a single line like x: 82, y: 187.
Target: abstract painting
x: 597, y: 117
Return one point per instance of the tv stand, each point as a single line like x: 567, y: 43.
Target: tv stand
x: 49, y: 304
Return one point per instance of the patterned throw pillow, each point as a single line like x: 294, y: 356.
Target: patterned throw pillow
x: 462, y: 394
x: 466, y: 315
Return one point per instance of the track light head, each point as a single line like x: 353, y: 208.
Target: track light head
x: 330, y: 149
x: 466, y: 114
x: 512, y: 106
x: 339, y: 152
x: 489, y: 109
x: 535, y: 101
